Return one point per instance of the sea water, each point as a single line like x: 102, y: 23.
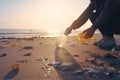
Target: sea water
x: 26, y: 33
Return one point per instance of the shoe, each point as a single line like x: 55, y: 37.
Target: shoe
x: 117, y: 49
x: 107, y: 43
x: 98, y: 42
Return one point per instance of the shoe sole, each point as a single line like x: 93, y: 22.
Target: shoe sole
x: 109, y: 48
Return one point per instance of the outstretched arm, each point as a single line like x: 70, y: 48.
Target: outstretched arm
x: 81, y: 19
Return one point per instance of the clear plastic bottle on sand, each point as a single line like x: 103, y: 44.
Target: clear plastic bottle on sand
x: 62, y: 40
x: 81, y: 37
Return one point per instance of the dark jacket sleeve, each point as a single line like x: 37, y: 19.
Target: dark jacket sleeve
x: 109, y: 8
x: 83, y: 17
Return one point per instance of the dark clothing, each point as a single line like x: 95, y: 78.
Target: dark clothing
x: 106, y: 16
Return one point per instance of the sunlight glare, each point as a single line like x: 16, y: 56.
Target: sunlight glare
x: 53, y: 33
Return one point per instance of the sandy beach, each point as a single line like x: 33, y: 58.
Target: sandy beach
x: 40, y: 59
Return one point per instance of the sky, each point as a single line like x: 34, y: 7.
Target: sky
x: 41, y: 14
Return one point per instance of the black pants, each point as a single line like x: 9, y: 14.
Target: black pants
x: 111, y: 27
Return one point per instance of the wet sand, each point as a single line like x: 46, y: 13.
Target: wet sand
x: 41, y: 59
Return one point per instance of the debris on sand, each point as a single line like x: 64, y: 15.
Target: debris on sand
x: 97, y: 56
x: 1, y: 47
x: 16, y: 66
x: 87, y: 51
x: 78, y: 72
x: 40, y: 43
x: 94, y: 73
x: 56, y: 64
x: 90, y: 59
x: 12, y: 45
x: 28, y: 54
x: 28, y: 47
x: 20, y: 48
x: 5, y: 40
x: 47, y: 72
x: 22, y: 61
x: 2, y: 55
x: 29, y: 39
x: 72, y: 45
x: 47, y: 67
x: 66, y: 66
x: 113, y: 64
x: 110, y: 74
x: 109, y: 56
x: 76, y: 55
x: 85, y: 43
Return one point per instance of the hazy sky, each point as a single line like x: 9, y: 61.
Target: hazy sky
x: 40, y: 14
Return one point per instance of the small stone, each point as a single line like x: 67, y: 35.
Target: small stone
x: 87, y: 51
x: 11, y: 45
x: 22, y: 60
x: 56, y: 64
x: 107, y: 73
x: 28, y: 54
x: 46, y: 58
x: 40, y: 43
x: 16, y: 66
x: 49, y: 69
x: 2, y: 55
x: 66, y: 66
x: 85, y: 43
x: 50, y: 64
x: 45, y: 75
x: 39, y: 59
x: 76, y: 55
x: 28, y: 47
x: 93, y: 73
x: 110, y: 74
x: 78, y: 72
x: 90, y: 59
x: 1, y: 47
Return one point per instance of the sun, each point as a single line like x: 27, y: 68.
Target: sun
x: 53, y: 32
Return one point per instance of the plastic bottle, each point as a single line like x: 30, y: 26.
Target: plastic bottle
x: 62, y: 40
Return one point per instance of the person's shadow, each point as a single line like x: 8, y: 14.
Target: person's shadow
x: 11, y: 74
x: 63, y: 56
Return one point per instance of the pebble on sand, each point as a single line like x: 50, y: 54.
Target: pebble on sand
x: 28, y: 47
x: 16, y: 66
x: 2, y: 55
x: 28, y: 54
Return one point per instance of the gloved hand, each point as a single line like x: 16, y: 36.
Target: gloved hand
x: 74, y: 26
x: 68, y: 31
x: 89, y: 32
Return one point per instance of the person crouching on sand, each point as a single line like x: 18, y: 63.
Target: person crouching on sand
x: 105, y: 16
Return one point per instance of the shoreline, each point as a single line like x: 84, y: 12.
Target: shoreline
x: 37, y: 58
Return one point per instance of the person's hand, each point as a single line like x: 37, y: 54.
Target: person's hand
x: 68, y: 31
x: 89, y: 32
